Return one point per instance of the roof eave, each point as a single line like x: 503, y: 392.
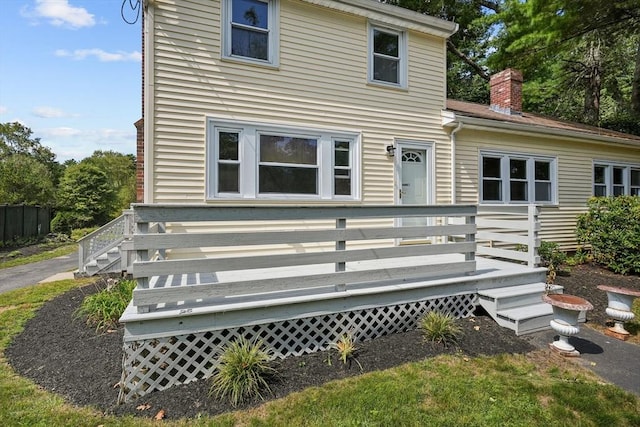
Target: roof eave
x: 392, y: 15
x: 451, y: 119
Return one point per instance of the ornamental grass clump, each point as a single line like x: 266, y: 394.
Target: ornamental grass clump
x: 104, y: 309
x: 440, y: 327
x: 346, y: 348
x: 242, y: 372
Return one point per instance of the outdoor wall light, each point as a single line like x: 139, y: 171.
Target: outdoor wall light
x: 391, y: 150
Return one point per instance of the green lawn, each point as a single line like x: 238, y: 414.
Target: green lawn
x: 53, y: 253
x: 509, y: 390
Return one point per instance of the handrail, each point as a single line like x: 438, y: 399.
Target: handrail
x: 105, y: 238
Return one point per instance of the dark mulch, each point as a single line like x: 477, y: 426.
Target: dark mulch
x: 65, y: 356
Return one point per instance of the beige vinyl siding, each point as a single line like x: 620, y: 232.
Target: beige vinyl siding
x: 575, y: 172
x: 321, y: 82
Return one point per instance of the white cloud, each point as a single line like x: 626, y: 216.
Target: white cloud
x: 3, y: 109
x: 61, y: 14
x: 102, y: 56
x: 48, y: 112
x: 60, y: 132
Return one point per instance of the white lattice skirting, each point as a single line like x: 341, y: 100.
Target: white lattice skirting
x: 157, y: 364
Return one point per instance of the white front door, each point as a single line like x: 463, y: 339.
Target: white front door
x: 413, y: 165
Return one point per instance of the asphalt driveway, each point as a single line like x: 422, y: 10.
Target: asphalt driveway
x: 30, y: 274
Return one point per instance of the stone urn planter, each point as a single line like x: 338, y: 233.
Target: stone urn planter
x: 619, y: 309
x: 566, y: 310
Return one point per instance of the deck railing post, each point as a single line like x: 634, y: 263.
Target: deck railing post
x: 341, y: 245
x: 142, y: 255
x: 533, y: 220
x: 470, y: 237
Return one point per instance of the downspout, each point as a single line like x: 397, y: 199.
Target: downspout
x: 148, y: 96
x: 453, y: 162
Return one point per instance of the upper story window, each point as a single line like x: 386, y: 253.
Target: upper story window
x: 516, y: 178
x: 615, y: 179
x: 250, y: 30
x: 387, y: 56
x: 254, y: 161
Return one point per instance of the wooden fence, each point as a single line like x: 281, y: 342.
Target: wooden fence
x: 21, y: 221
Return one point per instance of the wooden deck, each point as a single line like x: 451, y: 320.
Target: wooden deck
x: 318, y: 273
x: 185, y: 316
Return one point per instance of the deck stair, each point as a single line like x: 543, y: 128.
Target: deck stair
x: 108, y: 262
x: 519, y: 308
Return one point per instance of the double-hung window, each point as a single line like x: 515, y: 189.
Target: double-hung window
x: 255, y: 161
x: 517, y: 178
x: 615, y: 179
x: 387, y: 56
x: 250, y: 31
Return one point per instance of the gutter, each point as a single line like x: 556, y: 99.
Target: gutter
x: 451, y: 119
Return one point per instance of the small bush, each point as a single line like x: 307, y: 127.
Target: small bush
x: 551, y: 255
x: 105, y: 308
x: 440, y: 327
x: 242, y: 371
x: 611, y: 226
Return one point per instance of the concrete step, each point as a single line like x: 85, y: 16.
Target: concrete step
x: 113, y: 254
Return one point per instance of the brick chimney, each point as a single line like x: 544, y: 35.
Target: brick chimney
x: 506, y: 91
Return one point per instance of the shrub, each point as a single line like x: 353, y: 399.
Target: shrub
x: 440, y: 327
x: 242, y: 371
x: 551, y: 255
x: 611, y: 226
x: 104, y: 308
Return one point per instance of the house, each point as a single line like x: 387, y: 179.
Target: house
x: 303, y: 176
x: 506, y: 156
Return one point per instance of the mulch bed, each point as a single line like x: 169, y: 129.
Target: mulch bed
x: 62, y: 354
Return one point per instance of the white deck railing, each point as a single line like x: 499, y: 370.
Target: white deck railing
x: 358, y: 245
x: 509, y: 232
x: 105, y: 238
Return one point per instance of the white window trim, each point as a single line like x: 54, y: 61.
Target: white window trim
x: 248, y: 153
x: 402, y: 52
x: 273, y: 29
x: 505, y: 178
x: 608, y: 181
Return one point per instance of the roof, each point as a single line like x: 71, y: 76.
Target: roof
x: 466, y: 112
x: 392, y: 15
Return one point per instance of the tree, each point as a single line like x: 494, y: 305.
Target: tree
x: 85, y: 198
x: 16, y: 138
x: 468, y: 49
x: 120, y: 170
x: 575, y: 68
x: 23, y: 180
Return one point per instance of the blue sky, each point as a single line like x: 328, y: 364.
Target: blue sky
x: 70, y: 70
